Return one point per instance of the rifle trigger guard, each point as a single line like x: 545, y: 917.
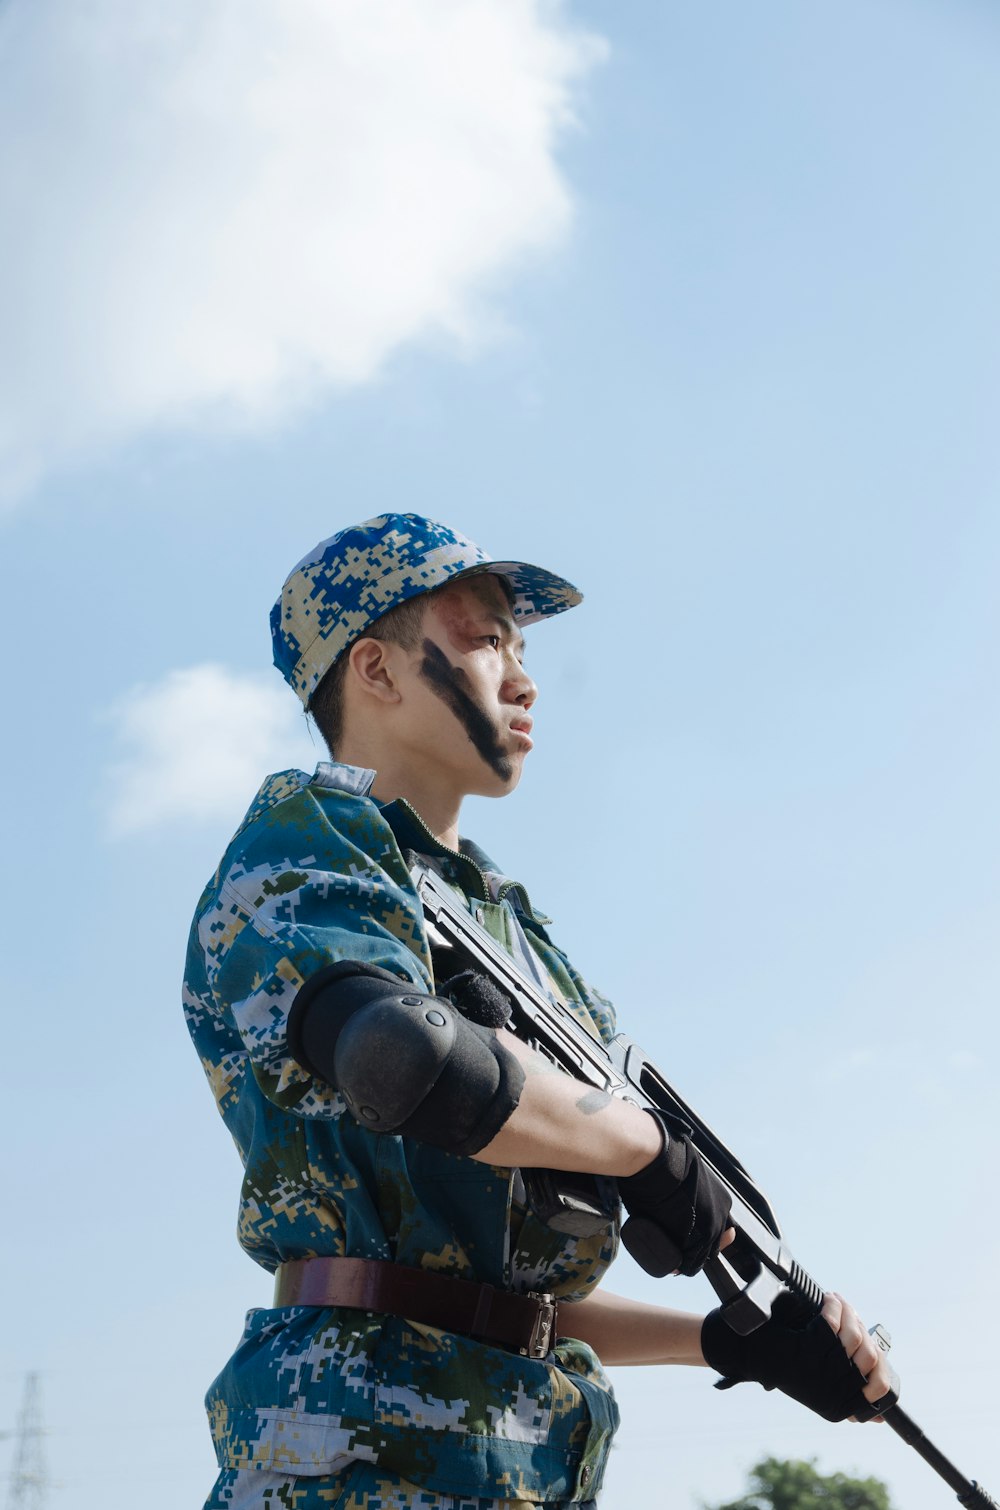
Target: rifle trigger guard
x: 748, y: 1310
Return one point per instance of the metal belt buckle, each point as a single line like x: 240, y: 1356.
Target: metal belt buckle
x: 543, y: 1327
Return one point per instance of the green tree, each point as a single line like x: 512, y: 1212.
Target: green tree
x: 780, y: 1484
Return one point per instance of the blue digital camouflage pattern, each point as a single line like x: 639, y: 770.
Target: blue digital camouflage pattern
x: 347, y: 582
x: 361, y: 1487
x: 314, y: 874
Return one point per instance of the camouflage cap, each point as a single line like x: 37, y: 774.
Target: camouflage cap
x: 347, y: 582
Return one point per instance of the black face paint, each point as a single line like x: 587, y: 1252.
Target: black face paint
x: 452, y: 686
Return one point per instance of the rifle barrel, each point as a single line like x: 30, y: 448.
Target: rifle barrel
x: 969, y: 1492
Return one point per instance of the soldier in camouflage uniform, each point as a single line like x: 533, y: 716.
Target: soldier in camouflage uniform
x: 348, y: 1408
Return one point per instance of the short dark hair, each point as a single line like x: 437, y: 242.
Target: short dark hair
x: 402, y: 625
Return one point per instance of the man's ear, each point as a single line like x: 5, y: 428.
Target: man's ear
x: 372, y: 668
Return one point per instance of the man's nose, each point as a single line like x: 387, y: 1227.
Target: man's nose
x: 519, y: 688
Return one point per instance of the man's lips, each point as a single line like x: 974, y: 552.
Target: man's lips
x: 522, y: 728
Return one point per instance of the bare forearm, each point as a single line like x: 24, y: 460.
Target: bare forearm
x: 623, y: 1331
x: 560, y: 1123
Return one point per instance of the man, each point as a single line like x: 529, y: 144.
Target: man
x: 406, y: 1361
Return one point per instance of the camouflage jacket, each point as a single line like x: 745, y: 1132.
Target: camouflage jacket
x: 316, y: 873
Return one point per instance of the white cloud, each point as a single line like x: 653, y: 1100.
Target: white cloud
x: 197, y: 744
x: 215, y: 211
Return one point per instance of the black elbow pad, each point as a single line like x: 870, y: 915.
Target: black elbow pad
x: 404, y: 1062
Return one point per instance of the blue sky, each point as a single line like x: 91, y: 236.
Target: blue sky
x: 696, y: 305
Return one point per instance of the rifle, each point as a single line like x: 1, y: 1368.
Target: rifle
x: 757, y: 1267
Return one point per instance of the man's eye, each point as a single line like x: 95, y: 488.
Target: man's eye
x: 491, y: 639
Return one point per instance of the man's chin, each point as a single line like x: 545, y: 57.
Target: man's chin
x: 500, y: 782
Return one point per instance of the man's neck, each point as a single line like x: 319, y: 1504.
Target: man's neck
x: 437, y: 809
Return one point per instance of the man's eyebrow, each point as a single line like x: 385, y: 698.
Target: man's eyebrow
x: 508, y: 626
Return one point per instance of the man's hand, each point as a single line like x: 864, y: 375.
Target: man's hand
x: 678, y: 1208
x: 864, y: 1351
x: 831, y: 1364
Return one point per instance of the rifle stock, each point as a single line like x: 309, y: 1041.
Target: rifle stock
x: 757, y: 1267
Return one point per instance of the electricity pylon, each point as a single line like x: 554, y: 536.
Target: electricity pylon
x: 28, y: 1478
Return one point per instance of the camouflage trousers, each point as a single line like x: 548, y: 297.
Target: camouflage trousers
x: 360, y: 1487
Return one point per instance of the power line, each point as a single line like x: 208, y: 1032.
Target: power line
x: 29, y: 1479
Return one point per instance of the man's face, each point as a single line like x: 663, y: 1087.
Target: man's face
x: 468, y: 695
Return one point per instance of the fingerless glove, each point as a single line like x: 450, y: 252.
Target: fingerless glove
x: 807, y: 1363
x: 678, y: 1207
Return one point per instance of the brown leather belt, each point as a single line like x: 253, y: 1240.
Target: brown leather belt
x: 525, y: 1322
